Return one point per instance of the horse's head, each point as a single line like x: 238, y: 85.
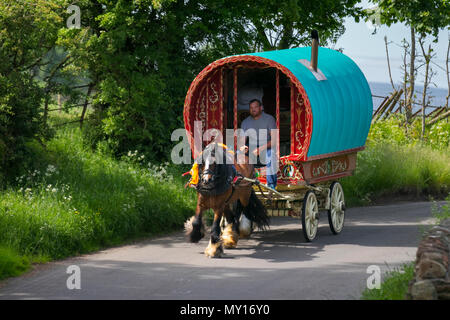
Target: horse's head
x: 208, y: 170
x: 214, y: 170
x: 212, y: 160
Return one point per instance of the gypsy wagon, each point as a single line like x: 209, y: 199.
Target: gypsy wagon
x: 323, y: 108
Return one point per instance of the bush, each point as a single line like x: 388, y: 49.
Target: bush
x: 28, y: 30
x: 144, y: 123
x: 392, y: 131
x: 395, y: 163
x: 443, y: 212
x: 439, y: 135
x: 11, y: 263
x: 384, y: 169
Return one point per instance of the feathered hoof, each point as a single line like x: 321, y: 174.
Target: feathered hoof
x: 214, y: 250
x: 194, y: 235
x: 245, y: 227
x: 229, y: 237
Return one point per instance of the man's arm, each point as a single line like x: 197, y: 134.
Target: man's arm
x: 272, y: 125
x: 241, y: 138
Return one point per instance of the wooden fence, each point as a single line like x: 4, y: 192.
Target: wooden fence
x: 389, y: 103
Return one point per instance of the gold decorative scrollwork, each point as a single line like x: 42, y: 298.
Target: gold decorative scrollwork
x: 215, y: 97
x: 298, y: 134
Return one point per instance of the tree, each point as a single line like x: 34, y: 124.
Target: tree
x: 423, y: 17
x: 28, y: 31
x: 285, y: 24
x: 141, y: 55
x: 429, y: 73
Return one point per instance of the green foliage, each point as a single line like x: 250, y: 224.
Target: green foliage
x: 394, y: 285
x: 443, y: 212
x: 438, y: 136
x: 395, y: 163
x: 388, y: 170
x: 28, y: 29
x: 137, y: 72
x: 392, y: 131
x: 426, y: 16
x: 286, y: 24
x: 75, y: 200
x: 141, y: 56
x: 389, y: 131
x: 11, y: 263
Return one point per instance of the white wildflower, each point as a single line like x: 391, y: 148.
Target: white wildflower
x: 51, y: 168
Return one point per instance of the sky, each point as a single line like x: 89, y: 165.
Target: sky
x: 369, y: 51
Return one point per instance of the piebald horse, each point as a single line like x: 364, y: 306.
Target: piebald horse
x: 220, y: 188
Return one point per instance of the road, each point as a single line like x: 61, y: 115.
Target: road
x: 274, y: 264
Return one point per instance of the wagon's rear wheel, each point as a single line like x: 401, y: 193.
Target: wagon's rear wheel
x: 336, y: 213
x: 310, y: 216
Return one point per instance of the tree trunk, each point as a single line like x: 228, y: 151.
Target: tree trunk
x: 286, y: 39
x: 448, y: 79
x: 46, y: 101
x: 411, y: 76
x: 262, y: 36
x: 86, y: 102
x: 405, y: 90
x: 427, y: 57
x: 59, y: 102
x: 389, y: 65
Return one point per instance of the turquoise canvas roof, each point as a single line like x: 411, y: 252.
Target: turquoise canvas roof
x: 341, y: 105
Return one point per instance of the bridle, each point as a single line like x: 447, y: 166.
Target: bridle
x: 218, y: 182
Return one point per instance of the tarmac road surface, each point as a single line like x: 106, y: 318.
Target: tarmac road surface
x: 274, y: 264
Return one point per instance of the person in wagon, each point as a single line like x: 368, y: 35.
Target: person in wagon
x: 257, y: 120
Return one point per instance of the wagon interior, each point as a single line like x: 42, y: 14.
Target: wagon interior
x: 264, y: 81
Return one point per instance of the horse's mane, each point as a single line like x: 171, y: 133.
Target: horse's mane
x: 223, y: 172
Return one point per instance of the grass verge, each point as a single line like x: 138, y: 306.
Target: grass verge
x: 396, y: 170
x: 394, y: 285
x: 76, y: 201
x: 11, y: 263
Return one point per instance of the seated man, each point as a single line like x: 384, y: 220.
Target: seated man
x: 257, y: 120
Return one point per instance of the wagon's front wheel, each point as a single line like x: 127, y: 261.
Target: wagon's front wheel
x: 310, y: 216
x: 336, y: 213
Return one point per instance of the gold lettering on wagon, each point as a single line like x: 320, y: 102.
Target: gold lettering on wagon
x: 329, y: 166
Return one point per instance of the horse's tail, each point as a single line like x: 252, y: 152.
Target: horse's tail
x: 255, y: 212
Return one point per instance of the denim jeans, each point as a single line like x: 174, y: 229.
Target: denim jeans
x: 271, y: 170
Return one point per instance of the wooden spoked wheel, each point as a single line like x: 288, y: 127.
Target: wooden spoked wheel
x: 310, y: 216
x: 336, y: 213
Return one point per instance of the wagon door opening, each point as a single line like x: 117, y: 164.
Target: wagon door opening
x: 268, y: 85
